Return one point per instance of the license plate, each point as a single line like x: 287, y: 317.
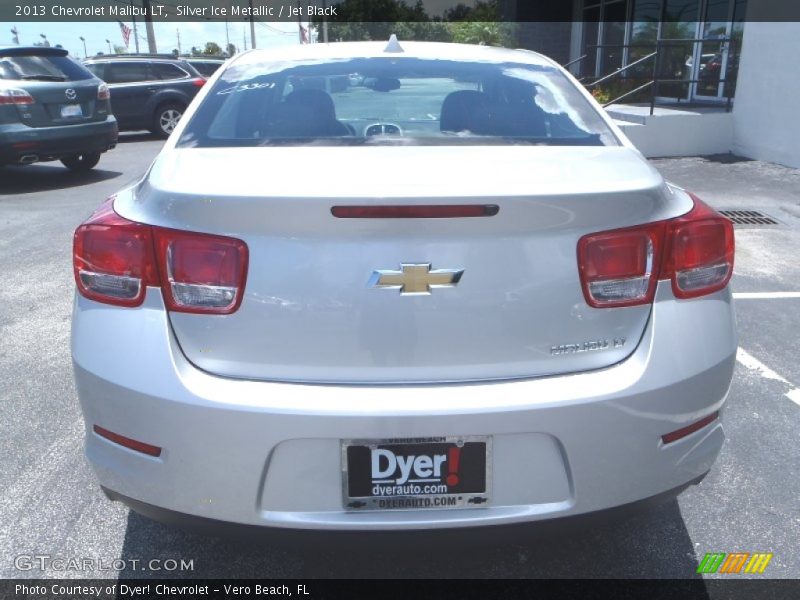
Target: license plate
x: 418, y: 473
x: 71, y: 110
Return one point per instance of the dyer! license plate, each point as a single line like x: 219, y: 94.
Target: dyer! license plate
x: 71, y: 111
x: 416, y: 473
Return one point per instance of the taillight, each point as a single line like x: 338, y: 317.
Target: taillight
x: 618, y: 268
x: 15, y: 96
x: 700, y: 249
x: 115, y: 260
x: 103, y: 93
x: 201, y: 273
x: 198, y: 82
x: 622, y: 267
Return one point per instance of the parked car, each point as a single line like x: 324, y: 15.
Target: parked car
x: 52, y: 108
x: 206, y: 66
x: 458, y: 297
x: 148, y: 92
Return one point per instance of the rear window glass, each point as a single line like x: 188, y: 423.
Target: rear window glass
x: 402, y: 101
x: 168, y: 71
x: 127, y: 72
x: 206, y: 69
x: 97, y: 69
x: 42, y: 68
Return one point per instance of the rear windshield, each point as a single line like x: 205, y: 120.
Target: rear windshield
x: 400, y: 101
x: 206, y: 68
x: 42, y: 68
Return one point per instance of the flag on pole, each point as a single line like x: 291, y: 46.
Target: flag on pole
x: 303, y: 34
x: 126, y: 33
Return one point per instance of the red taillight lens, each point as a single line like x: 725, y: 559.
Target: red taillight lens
x: 103, y: 93
x: 202, y: 273
x: 116, y: 259
x: 198, y: 82
x: 113, y: 258
x: 700, y: 252
x: 617, y: 267
x: 15, y: 96
x: 622, y: 267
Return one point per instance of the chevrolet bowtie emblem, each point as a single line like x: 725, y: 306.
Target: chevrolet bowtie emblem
x: 416, y: 279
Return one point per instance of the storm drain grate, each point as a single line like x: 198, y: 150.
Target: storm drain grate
x: 752, y: 218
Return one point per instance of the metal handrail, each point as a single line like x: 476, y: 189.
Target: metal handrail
x: 656, y: 80
x: 572, y: 62
x: 663, y: 41
x: 626, y: 94
x: 625, y: 68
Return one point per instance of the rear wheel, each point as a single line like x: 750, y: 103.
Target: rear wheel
x: 81, y: 162
x: 166, y: 119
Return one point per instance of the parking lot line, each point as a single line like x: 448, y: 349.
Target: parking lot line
x: 752, y: 363
x: 764, y: 295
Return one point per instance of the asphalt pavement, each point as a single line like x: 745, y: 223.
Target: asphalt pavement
x: 50, y: 504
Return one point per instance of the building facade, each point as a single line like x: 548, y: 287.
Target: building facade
x: 736, y: 55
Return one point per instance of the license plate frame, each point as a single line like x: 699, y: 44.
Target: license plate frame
x: 471, y: 489
x: 71, y: 111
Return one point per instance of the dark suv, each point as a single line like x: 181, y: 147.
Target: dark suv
x: 207, y: 65
x: 52, y: 108
x: 147, y: 92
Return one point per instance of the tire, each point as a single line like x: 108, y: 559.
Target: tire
x: 166, y: 118
x: 81, y: 163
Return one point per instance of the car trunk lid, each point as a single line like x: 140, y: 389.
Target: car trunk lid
x: 312, y: 310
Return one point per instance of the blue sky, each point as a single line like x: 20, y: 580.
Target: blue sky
x: 191, y: 33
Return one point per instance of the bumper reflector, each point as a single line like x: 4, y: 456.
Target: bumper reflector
x: 674, y: 436
x: 127, y: 442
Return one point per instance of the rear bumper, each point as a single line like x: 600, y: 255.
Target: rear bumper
x: 269, y: 454
x: 53, y: 143
x: 206, y: 526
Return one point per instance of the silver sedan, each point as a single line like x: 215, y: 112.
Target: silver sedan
x: 448, y: 292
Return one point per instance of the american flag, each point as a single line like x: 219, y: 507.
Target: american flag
x: 303, y: 35
x: 126, y: 33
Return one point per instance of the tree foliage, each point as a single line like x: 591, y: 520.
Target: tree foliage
x: 489, y: 33
x: 212, y: 49
x: 360, y: 20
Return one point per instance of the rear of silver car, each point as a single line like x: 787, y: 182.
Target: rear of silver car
x: 384, y: 335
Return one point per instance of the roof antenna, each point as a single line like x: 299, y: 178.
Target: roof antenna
x: 393, y: 45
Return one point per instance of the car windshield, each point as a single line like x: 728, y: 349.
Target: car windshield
x: 41, y: 68
x: 395, y: 101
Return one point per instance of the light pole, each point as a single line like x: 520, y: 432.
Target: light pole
x: 85, y: 54
x: 252, y: 27
x: 110, y: 51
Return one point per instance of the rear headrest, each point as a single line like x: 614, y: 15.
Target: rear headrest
x: 304, y: 113
x: 315, y: 100
x: 466, y: 110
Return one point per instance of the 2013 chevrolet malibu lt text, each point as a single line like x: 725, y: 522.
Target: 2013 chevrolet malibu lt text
x: 400, y: 286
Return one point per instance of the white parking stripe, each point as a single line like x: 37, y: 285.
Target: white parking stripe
x: 764, y: 295
x: 754, y: 364
x: 794, y: 396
